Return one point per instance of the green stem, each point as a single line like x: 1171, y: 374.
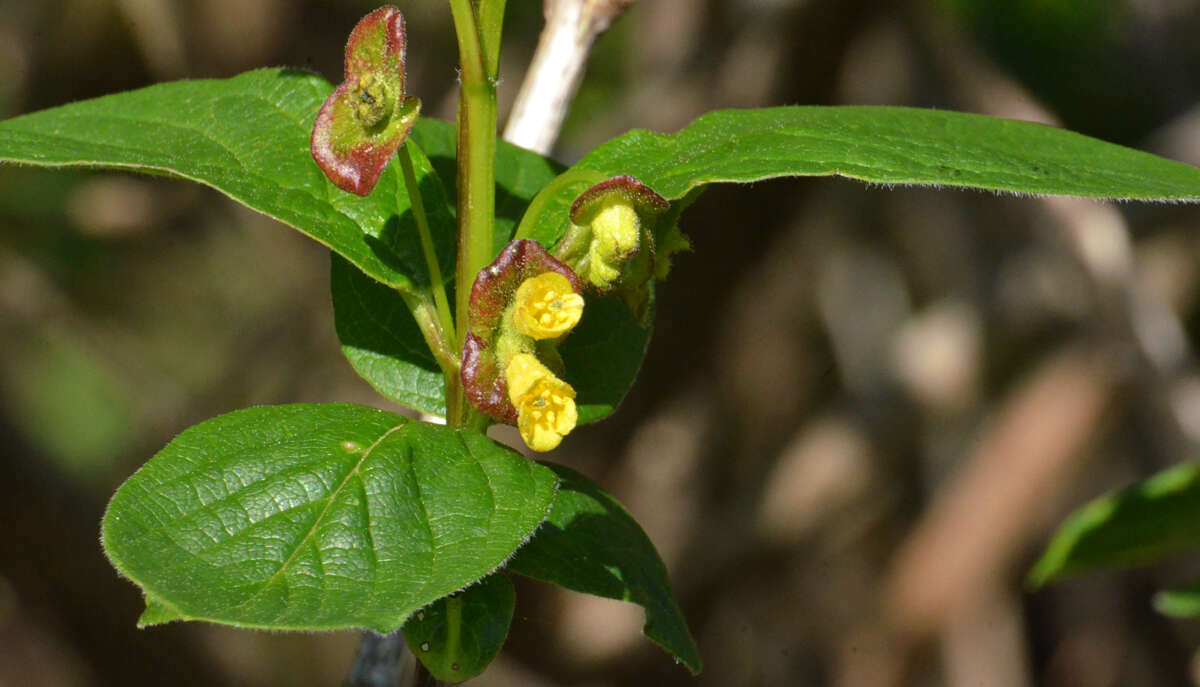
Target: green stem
x: 491, y: 21
x: 584, y: 178
x: 426, y: 315
x: 476, y: 155
x: 436, y: 284
x: 476, y: 190
x: 458, y: 411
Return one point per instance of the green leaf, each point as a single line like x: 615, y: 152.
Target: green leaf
x: 457, y: 636
x: 156, y: 613
x: 1179, y: 603
x: 589, y: 543
x: 319, y: 517
x: 602, y: 356
x: 1146, y: 521
x: 883, y: 145
x: 381, y: 340
x: 247, y: 137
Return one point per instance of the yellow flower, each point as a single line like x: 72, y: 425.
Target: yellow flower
x: 545, y: 404
x: 546, y: 306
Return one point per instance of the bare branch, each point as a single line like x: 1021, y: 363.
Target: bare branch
x: 557, y: 69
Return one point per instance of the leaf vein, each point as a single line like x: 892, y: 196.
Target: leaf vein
x: 325, y: 511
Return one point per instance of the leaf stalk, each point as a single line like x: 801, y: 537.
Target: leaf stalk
x: 437, y: 285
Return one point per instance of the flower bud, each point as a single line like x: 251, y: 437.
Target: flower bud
x: 611, y: 219
x: 367, y: 118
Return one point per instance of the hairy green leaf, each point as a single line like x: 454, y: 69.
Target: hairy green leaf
x: 319, y: 517
x: 591, y: 544
x: 1158, y: 516
x: 247, y: 137
x: 882, y: 145
x: 156, y: 613
x: 457, y: 636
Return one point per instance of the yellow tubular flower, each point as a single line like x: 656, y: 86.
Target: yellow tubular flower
x: 545, y: 404
x: 546, y: 306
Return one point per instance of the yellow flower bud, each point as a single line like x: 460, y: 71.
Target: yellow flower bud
x: 617, y: 228
x: 616, y: 232
x: 546, y: 306
x: 545, y: 404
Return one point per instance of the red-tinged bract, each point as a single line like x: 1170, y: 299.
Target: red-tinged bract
x: 368, y: 117
x: 485, y: 352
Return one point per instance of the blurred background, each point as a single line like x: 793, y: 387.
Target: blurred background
x: 863, y: 412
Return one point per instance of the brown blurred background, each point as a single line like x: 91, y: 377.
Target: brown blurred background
x: 863, y: 411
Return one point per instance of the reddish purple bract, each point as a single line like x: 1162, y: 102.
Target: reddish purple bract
x: 368, y: 117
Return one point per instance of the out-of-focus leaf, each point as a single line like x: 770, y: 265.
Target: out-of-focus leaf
x: 1179, y: 603
x: 1148, y: 520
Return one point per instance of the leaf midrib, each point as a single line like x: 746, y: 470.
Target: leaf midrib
x: 330, y: 499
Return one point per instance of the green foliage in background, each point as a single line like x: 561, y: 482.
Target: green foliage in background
x: 1142, y: 523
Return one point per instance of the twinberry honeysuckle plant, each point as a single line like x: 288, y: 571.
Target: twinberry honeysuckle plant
x: 533, y: 312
